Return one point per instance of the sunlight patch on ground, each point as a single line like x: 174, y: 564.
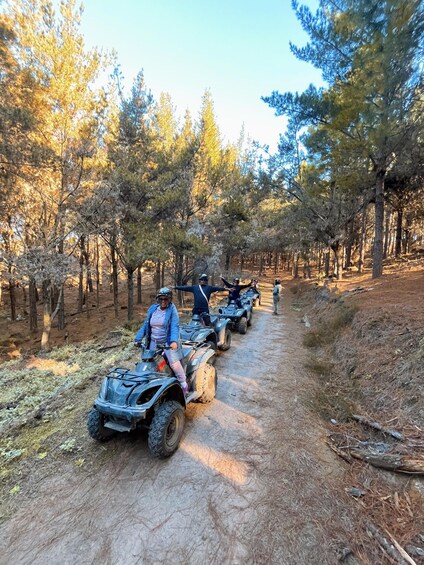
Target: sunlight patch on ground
x: 220, y: 463
x: 227, y: 413
x: 58, y: 368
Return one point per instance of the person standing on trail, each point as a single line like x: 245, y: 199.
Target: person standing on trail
x: 276, y: 294
x: 162, y: 326
x: 202, y: 293
x: 234, y: 290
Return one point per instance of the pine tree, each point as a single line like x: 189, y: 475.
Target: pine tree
x: 369, y: 53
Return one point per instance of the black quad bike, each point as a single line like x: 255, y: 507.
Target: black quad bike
x: 218, y: 334
x: 151, y: 397
x: 252, y: 296
x: 240, y: 316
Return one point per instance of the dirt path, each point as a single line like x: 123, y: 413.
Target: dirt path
x: 252, y: 481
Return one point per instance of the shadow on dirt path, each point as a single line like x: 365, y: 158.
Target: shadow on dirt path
x: 252, y: 481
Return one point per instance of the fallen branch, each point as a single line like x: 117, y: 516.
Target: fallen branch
x: 379, y: 427
x: 390, y: 461
x: 404, y: 554
x: 385, y: 544
x: 340, y: 453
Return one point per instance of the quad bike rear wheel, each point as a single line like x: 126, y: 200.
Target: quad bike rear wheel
x: 166, y: 429
x: 242, y: 325
x: 227, y: 341
x: 206, y: 380
x: 96, y: 427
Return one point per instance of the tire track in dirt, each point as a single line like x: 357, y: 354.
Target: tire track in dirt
x: 250, y: 483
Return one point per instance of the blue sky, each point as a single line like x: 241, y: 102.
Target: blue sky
x: 239, y: 49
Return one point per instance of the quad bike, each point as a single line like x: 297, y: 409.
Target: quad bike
x: 240, y: 316
x: 218, y: 334
x: 151, y: 397
x: 251, y: 295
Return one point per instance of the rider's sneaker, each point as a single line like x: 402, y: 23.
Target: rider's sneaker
x: 185, y: 388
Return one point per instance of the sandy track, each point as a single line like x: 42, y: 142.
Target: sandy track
x: 251, y: 482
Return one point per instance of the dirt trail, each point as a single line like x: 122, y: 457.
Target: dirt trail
x: 252, y: 481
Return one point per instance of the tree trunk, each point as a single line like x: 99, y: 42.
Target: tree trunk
x: 81, y: 276
x: 179, y: 267
x: 89, y: 278
x: 97, y: 273
x: 60, y: 296
x: 377, y: 254
x: 362, y: 240
x: 130, y: 287
x: 139, y: 285
x: 387, y: 233
x: 327, y: 263
x: 33, y: 317
x: 349, y: 245
x: 319, y: 264
x: 12, y: 294
x: 227, y: 262
x: 337, y: 262
x: 114, y: 261
x: 276, y: 262
x: 407, y: 234
x: 295, y: 269
x: 99, y: 260
x: 47, y: 317
x: 261, y: 265
x: 399, y: 222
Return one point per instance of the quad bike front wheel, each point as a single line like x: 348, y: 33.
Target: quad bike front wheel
x: 227, y: 341
x: 242, y: 325
x: 96, y: 427
x: 166, y: 429
x: 249, y: 319
x: 206, y: 380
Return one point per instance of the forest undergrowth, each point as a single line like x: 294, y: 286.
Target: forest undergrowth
x: 366, y: 343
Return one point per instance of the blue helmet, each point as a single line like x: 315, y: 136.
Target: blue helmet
x: 165, y: 292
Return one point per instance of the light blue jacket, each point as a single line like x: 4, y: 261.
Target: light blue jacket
x: 172, y: 325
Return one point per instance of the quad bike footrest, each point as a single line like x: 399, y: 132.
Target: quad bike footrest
x: 117, y: 427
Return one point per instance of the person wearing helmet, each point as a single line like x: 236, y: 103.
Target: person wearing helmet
x: 202, y: 293
x: 162, y: 326
x: 234, y: 290
x: 276, y: 294
x: 254, y: 284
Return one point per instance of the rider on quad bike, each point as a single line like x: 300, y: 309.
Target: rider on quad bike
x: 162, y: 326
x: 234, y: 290
x: 202, y: 293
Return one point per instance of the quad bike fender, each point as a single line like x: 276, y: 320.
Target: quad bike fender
x: 200, y: 359
x: 140, y: 400
x: 220, y: 329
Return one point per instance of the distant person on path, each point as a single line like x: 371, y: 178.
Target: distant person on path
x: 234, y: 290
x: 202, y: 293
x: 276, y: 294
x: 162, y: 326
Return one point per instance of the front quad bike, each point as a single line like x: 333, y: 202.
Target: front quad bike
x: 151, y: 397
x: 218, y: 334
x: 240, y: 317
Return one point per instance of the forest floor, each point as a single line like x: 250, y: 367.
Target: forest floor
x: 258, y: 477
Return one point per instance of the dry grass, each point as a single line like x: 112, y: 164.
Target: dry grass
x: 368, y: 357
x: 328, y: 328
